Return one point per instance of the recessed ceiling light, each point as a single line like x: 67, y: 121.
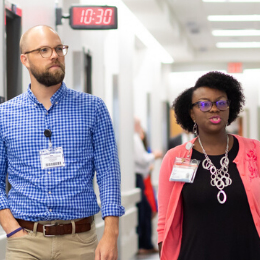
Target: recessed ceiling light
x: 233, y: 18
x: 236, y: 32
x: 238, y: 45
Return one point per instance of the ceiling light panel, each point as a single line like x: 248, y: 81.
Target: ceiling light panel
x: 231, y: 1
x: 238, y: 44
x: 234, y: 18
x: 236, y: 32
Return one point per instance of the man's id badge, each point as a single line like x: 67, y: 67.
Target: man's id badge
x: 51, y: 158
x: 184, y: 170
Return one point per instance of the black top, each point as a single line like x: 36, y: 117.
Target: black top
x: 214, y: 231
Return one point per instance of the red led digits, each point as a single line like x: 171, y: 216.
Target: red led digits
x: 93, y: 17
x: 100, y: 16
x: 86, y: 16
x: 108, y: 16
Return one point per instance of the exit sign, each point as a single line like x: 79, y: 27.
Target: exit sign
x: 235, y: 67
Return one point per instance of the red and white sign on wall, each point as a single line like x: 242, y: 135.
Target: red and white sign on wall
x: 13, y: 8
x: 235, y: 67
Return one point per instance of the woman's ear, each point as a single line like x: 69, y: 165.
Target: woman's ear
x: 192, y: 115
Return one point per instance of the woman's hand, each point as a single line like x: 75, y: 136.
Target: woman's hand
x: 160, y: 248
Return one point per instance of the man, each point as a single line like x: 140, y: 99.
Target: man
x: 52, y: 140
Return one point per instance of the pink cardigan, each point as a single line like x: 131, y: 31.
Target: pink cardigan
x: 170, y: 215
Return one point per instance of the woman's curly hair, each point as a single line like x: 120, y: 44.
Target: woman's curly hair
x: 214, y: 80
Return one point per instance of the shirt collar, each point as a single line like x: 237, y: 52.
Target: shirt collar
x: 55, y: 98
x: 59, y: 93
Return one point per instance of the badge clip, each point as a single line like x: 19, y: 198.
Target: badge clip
x: 184, y: 170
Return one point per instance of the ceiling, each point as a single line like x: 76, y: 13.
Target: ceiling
x: 183, y: 29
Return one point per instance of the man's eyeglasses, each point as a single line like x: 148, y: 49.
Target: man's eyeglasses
x: 46, y: 52
x: 205, y: 106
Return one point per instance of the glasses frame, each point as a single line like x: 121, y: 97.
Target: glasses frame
x: 198, y: 104
x: 63, y: 46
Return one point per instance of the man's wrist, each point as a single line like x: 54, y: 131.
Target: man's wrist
x: 14, y: 232
x: 7, y: 221
x: 111, y: 232
x: 111, y: 226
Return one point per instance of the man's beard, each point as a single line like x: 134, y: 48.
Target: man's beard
x: 47, y: 78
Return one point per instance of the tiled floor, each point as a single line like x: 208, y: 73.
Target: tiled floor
x: 147, y: 257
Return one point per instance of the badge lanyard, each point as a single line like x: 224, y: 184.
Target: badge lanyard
x: 184, y: 169
x: 51, y: 157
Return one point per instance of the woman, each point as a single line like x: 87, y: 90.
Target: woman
x: 143, y: 161
x: 218, y: 215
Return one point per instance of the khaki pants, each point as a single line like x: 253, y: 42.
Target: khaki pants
x: 80, y: 246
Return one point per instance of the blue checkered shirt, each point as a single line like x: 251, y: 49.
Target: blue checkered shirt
x: 81, y: 125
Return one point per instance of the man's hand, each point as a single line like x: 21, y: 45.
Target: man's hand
x: 9, y: 223
x: 107, y: 247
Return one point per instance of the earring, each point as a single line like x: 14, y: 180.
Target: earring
x: 195, y: 128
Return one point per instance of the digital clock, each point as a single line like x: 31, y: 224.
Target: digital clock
x: 93, y: 17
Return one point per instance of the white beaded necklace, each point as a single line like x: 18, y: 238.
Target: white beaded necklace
x: 219, y: 177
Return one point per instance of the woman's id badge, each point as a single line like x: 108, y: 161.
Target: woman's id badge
x: 184, y: 170
x: 51, y: 158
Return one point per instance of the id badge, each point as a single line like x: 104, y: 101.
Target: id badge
x: 52, y: 158
x: 184, y: 170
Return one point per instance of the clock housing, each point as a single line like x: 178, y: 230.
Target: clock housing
x: 93, y: 17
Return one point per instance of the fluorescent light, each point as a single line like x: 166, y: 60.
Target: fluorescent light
x: 236, y: 32
x: 144, y: 35
x: 150, y: 42
x: 238, y: 45
x: 233, y: 18
x: 232, y: 1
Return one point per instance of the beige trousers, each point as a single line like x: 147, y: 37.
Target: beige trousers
x: 80, y: 246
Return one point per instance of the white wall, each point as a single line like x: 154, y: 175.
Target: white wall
x: 250, y: 83
x: 71, y: 38
x: 143, y: 79
x: 35, y: 13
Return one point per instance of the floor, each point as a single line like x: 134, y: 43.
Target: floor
x: 147, y: 257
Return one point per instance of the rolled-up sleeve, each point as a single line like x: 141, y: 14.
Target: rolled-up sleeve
x: 107, y: 163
